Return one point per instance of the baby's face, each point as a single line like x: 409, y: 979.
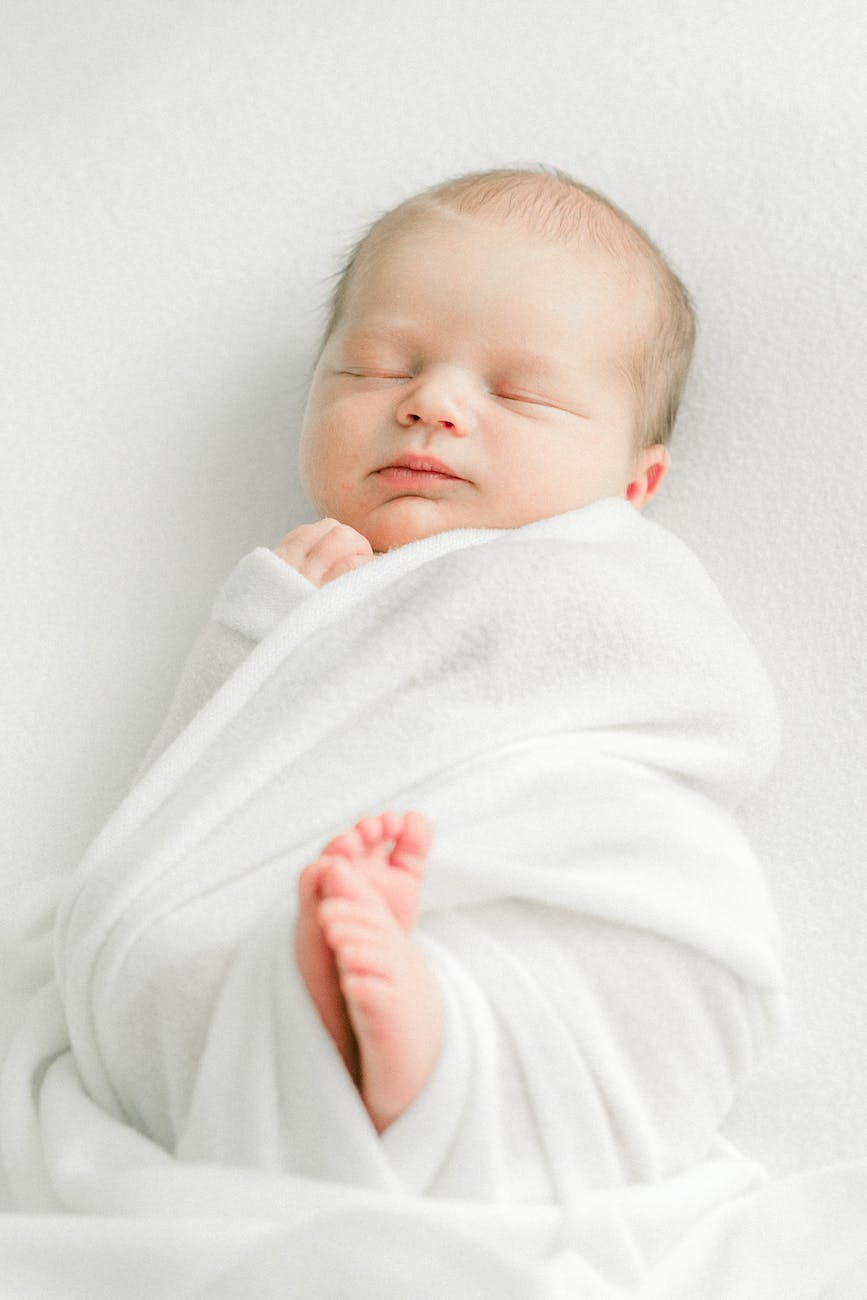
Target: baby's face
x: 472, y: 382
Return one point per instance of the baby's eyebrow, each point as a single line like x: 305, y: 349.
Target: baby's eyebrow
x: 379, y: 332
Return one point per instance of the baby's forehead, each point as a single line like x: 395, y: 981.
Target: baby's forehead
x: 387, y: 298
x: 456, y: 245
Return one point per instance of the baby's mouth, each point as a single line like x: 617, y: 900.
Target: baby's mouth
x: 414, y: 469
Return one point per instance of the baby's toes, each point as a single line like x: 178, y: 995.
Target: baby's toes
x: 310, y: 883
x: 376, y: 829
x: 348, y: 845
x: 343, y: 879
x: 412, y: 842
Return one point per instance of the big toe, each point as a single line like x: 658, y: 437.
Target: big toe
x: 412, y: 842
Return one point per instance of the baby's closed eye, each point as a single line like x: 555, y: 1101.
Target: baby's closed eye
x: 508, y: 396
x: 531, y: 400
x: 374, y: 372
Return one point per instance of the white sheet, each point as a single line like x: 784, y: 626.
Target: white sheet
x: 570, y: 621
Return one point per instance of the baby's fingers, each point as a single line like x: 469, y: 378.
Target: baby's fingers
x: 344, y: 566
x: 324, y: 550
x: 338, y: 551
x: 296, y: 546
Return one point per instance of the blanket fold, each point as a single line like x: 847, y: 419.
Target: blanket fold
x: 573, y: 707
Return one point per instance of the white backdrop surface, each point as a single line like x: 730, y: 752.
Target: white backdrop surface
x: 179, y: 182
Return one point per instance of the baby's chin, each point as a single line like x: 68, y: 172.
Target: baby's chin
x: 407, y: 519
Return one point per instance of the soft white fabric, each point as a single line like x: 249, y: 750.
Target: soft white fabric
x: 577, y: 713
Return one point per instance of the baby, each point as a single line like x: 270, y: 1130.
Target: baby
x: 502, y: 348
x: 540, y: 1046
x: 484, y: 629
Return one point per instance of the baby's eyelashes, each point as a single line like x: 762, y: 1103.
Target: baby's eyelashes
x: 546, y: 403
x: 497, y: 390
x: 516, y: 397
x: 375, y: 374
x: 371, y: 372
x: 522, y: 399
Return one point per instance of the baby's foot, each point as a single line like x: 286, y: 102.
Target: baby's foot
x: 315, y: 961
x: 389, y: 852
x: 392, y: 999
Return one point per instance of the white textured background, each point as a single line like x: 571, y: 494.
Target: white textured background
x: 179, y: 180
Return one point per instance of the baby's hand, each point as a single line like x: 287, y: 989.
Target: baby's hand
x: 324, y: 550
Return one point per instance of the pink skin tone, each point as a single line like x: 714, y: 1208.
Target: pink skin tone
x: 369, y: 982
x: 495, y: 353
x: 473, y: 380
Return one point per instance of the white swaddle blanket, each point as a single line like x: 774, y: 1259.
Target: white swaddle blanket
x: 574, y: 709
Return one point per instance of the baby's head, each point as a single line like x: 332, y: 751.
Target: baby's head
x: 503, y: 347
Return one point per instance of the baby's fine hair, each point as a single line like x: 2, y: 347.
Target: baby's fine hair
x: 549, y: 203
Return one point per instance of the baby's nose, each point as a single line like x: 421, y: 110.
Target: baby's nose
x: 441, y: 400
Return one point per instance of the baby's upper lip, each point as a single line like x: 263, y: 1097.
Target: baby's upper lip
x: 410, y: 460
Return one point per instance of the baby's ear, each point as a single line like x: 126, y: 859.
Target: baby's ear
x: 650, y: 468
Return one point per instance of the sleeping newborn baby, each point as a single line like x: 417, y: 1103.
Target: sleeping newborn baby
x: 430, y: 882
x: 502, y: 349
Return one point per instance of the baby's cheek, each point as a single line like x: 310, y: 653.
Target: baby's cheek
x: 323, y: 476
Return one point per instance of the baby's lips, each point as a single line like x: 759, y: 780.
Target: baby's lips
x: 424, y: 464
